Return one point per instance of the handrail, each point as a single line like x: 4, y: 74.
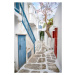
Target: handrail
x: 27, y: 25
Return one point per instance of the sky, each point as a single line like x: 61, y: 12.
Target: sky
x: 37, y: 6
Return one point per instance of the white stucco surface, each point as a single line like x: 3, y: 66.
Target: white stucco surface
x: 58, y: 23
x: 20, y: 30
x: 16, y: 52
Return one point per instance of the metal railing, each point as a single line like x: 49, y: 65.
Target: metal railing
x: 26, y: 23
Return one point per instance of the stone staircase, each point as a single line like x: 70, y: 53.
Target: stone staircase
x: 38, y: 45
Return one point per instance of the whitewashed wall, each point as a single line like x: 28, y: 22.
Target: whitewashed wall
x: 16, y: 53
x: 29, y: 46
x: 34, y: 29
x: 46, y: 39
x: 32, y: 15
x: 26, y: 10
x: 20, y: 30
x: 58, y: 23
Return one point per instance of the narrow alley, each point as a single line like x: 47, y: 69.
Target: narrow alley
x: 43, y: 61
x: 37, y: 37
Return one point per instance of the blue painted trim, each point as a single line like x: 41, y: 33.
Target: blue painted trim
x: 16, y: 10
x: 23, y: 5
x: 33, y: 39
x: 17, y: 7
x: 27, y: 30
x: 24, y: 18
x: 39, y: 26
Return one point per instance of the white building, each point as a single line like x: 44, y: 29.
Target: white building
x: 33, y: 20
x: 25, y: 26
x: 57, y: 23
x: 46, y: 38
x: 40, y: 28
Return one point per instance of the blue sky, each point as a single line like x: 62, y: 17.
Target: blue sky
x: 37, y: 6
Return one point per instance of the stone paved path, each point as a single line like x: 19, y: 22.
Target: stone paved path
x: 42, y: 62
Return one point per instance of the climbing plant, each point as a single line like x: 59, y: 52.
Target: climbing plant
x: 50, y: 23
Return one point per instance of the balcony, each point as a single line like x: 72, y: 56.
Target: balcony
x: 32, y: 16
x: 20, y: 9
x: 32, y: 20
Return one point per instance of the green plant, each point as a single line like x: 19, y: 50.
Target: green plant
x: 50, y: 22
x: 45, y: 9
x: 44, y: 25
x: 42, y: 35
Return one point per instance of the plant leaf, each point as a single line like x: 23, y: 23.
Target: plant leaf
x: 44, y: 25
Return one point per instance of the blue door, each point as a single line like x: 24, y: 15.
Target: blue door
x: 21, y: 49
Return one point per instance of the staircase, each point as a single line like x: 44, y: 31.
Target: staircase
x: 40, y: 45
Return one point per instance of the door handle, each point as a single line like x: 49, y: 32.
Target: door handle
x: 19, y: 47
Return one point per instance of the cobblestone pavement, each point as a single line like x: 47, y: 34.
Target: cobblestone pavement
x: 42, y: 62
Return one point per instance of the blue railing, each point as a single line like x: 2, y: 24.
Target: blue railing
x: 26, y: 23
